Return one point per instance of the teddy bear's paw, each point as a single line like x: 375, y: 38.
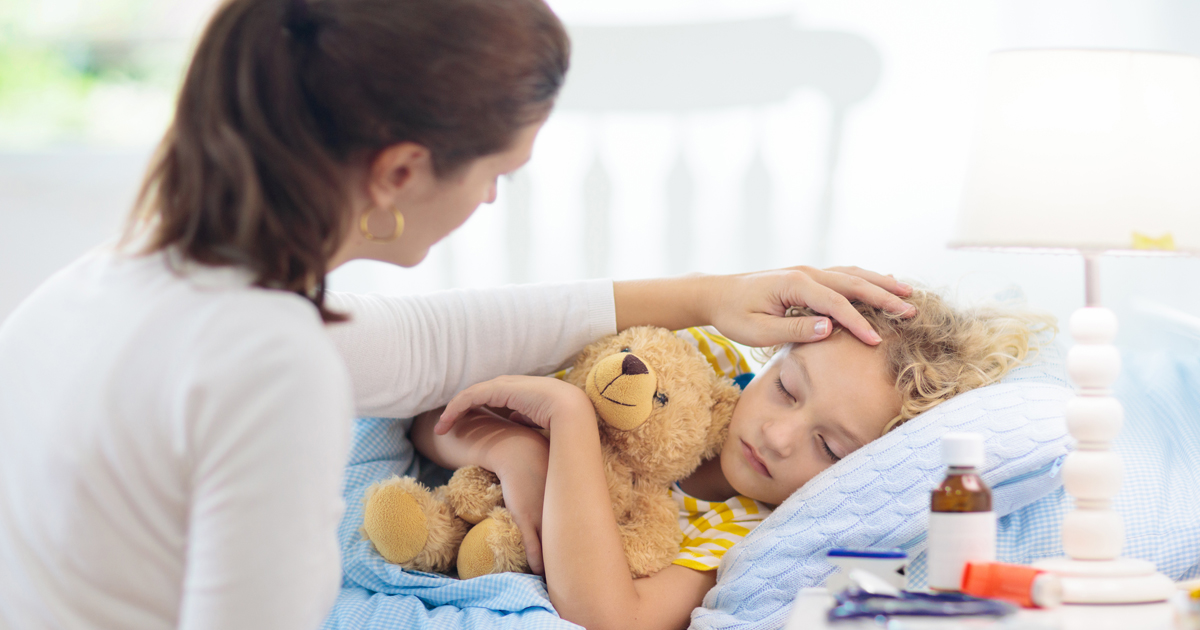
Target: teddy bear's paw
x: 473, y: 493
x: 410, y: 526
x: 492, y: 546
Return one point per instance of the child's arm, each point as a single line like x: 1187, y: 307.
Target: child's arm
x: 517, y: 454
x: 586, y: 573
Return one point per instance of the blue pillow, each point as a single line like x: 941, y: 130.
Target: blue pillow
x: 879, y: 495
x: 1159, y: 446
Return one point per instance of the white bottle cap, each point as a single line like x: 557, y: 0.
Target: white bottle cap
x: 1047, y: 591
x: 962, y: 449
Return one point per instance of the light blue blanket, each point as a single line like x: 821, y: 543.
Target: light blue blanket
x: 377, y: 595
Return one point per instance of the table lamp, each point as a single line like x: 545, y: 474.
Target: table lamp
x: 1090, y: 152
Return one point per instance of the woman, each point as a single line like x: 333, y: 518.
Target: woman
x: 174, y: 414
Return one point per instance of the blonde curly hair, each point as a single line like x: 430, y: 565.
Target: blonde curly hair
x: 943, y: 351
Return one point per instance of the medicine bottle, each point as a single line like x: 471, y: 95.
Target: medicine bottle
x: 962, y: 527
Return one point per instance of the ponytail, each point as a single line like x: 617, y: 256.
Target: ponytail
x: 281, y: 96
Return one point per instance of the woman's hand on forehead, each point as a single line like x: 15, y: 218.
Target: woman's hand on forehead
x: 768, y: 295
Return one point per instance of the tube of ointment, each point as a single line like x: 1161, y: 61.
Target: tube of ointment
x: 1019, y: 584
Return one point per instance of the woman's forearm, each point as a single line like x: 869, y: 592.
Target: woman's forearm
x: 485, y: 440
x: 672, y: 303
x: 408, y: 354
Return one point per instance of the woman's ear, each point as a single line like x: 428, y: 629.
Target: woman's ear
x: 401, y: 170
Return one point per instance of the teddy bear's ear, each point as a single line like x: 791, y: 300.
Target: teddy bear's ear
x: 592, y: 354
x: 725, y: 397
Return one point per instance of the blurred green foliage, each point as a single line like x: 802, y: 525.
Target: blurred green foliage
x: 84, y: 72
x: 41, y: 96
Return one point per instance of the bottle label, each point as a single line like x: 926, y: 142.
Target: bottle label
x: 956, y: 538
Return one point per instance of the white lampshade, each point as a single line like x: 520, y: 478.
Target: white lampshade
x: 1091, y: 150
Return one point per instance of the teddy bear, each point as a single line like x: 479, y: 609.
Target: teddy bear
x: 662, y: 410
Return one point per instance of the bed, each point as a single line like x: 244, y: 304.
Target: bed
x: 878, y: 496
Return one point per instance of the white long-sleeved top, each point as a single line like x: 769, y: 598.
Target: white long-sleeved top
x: 172, y: 446
x: 408, y: 355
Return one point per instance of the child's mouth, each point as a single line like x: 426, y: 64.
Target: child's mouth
x: 755, y: 461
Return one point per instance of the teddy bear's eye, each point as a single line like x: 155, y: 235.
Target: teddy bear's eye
x: 626, y: 349
x: 660, y: 398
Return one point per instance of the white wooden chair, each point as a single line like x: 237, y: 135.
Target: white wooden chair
x: 685, y: 69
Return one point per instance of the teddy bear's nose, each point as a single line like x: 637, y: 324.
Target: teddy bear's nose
x: 622, y: 386
x: 633, y: 365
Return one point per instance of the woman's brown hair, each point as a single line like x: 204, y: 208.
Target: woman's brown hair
x: 281, y: 95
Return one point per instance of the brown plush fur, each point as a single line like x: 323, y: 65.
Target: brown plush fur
x: 473, y: 493
x: 689, y: 412
x: 498, y: 548
x: 692, y: 424
x: 435, y: 522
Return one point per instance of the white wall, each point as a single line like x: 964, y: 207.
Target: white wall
x: 55, y: 205
x: 905, y: 160
x: 896, y: 186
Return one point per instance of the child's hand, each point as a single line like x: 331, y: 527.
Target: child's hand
x: 538, y: 400
x: 534, y: 400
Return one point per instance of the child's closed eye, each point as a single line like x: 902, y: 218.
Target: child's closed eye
x: 779, y: 385
x: 828, y: 451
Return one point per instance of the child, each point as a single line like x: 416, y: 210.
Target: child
x: 811, y: 405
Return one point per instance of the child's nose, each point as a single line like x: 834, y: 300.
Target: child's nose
x: 778, y: 437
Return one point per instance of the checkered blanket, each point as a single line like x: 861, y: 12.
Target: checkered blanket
x: 377, y: 595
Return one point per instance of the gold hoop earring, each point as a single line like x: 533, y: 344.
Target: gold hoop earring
x: 366, y: 229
